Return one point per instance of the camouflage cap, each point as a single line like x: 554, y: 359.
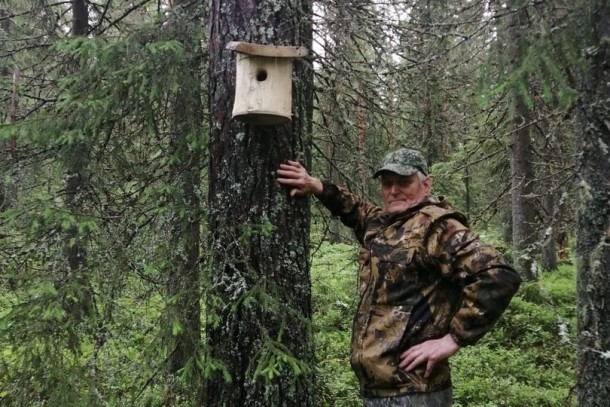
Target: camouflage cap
x: 403, y: 161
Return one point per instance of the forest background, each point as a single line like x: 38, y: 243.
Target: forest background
x: 147, y: 256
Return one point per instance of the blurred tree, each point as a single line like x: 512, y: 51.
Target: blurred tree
x: 522, y: 170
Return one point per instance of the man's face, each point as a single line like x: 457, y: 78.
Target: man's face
x: 401, y: 193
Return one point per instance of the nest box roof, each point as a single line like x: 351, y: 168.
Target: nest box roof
x: 274, y: 51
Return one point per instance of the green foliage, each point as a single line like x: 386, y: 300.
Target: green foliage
x: 273, y: 360
x: 95, y: 335
x: 548, y: 50
x: 334, y: 292
x: 449, y: 183
x: 529, y: 358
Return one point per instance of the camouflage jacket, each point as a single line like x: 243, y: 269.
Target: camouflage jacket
x: 423, y: 274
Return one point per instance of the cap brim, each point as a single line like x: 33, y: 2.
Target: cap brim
x: 397, y: 169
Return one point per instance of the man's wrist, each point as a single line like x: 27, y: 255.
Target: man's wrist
x: 317, y: 187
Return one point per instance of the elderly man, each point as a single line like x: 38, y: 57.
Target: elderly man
x: 428, y: 285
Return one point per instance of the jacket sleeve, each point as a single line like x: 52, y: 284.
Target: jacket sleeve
x: 488, y: 282
x: 351, y: 209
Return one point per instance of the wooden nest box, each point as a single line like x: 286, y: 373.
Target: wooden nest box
x: 263, y: 82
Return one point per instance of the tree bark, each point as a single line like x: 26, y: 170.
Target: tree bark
x: 522, y: 171
x: 258, y: 333
x: 548, y: 255
x: 183, y: 324
x: 433, y: 52
x: 363, y: 172
x: 550, y: 210
x: 5, y: 188
x: 593, y: 215
x: 76, y: 158
x: 334, y: 224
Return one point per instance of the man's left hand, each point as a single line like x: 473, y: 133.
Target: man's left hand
x: 430, y: 352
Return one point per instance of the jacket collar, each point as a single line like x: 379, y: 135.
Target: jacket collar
x: 427, y: 201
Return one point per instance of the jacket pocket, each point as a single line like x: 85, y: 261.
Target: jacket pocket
x: 375, y: 358
x: 395, y: 278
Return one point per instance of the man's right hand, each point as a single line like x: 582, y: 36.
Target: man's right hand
x: 293, y: 175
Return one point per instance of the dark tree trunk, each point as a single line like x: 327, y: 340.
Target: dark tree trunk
x: 468, y: 194
x: 524, y: 235
x: 334, y: 225
x: 363, y: 172
x: 550, y: 209
x: 593, y: 219
x: 258, y: 333
x: 80, y: 20
x: 11, y: 108
x: 75, y: 159
x: 522, y: 171
x: 183, y: 324
x: 548, y: 255
x: 433, y: 122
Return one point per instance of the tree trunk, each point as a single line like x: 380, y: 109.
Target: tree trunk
x: 258, y: 332
x: 522, y: 193
x: 593, y: 219
x: 334, y: 225
x: 522, y: 171
x: 548, y: 256
x: 183, y: 324
x: 5, y: 188
x: 468, y: 194
x: 76, y: 157
x: 549, y: 217
x: 363, y: 172
x: 433, y: 136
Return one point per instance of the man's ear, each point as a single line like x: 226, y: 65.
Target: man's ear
x: 428, y: 184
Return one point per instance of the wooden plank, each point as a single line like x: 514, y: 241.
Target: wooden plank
x: 274, y: 51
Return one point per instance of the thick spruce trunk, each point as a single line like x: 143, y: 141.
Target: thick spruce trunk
x: 258, y: 333
x: 593, y: 217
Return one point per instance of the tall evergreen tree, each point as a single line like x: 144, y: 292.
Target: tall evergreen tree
x: 78, y: 302
x: 522, y: 171
x: 258, y: 337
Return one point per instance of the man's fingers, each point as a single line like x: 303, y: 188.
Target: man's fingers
x: 429, y: 366
x: 429, y: 352
x: 289, y: 172
x: 407, y: 358
x: 292, y: 172
x: 412, y: 364
x: 295, y: 163
x: 293, y: 166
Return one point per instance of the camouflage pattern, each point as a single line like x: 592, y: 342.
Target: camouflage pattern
x: 423, y: 274
x: 441, y: 398
x: 403, y: 161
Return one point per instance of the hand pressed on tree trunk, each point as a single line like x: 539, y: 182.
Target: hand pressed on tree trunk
x: 294, y: 175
